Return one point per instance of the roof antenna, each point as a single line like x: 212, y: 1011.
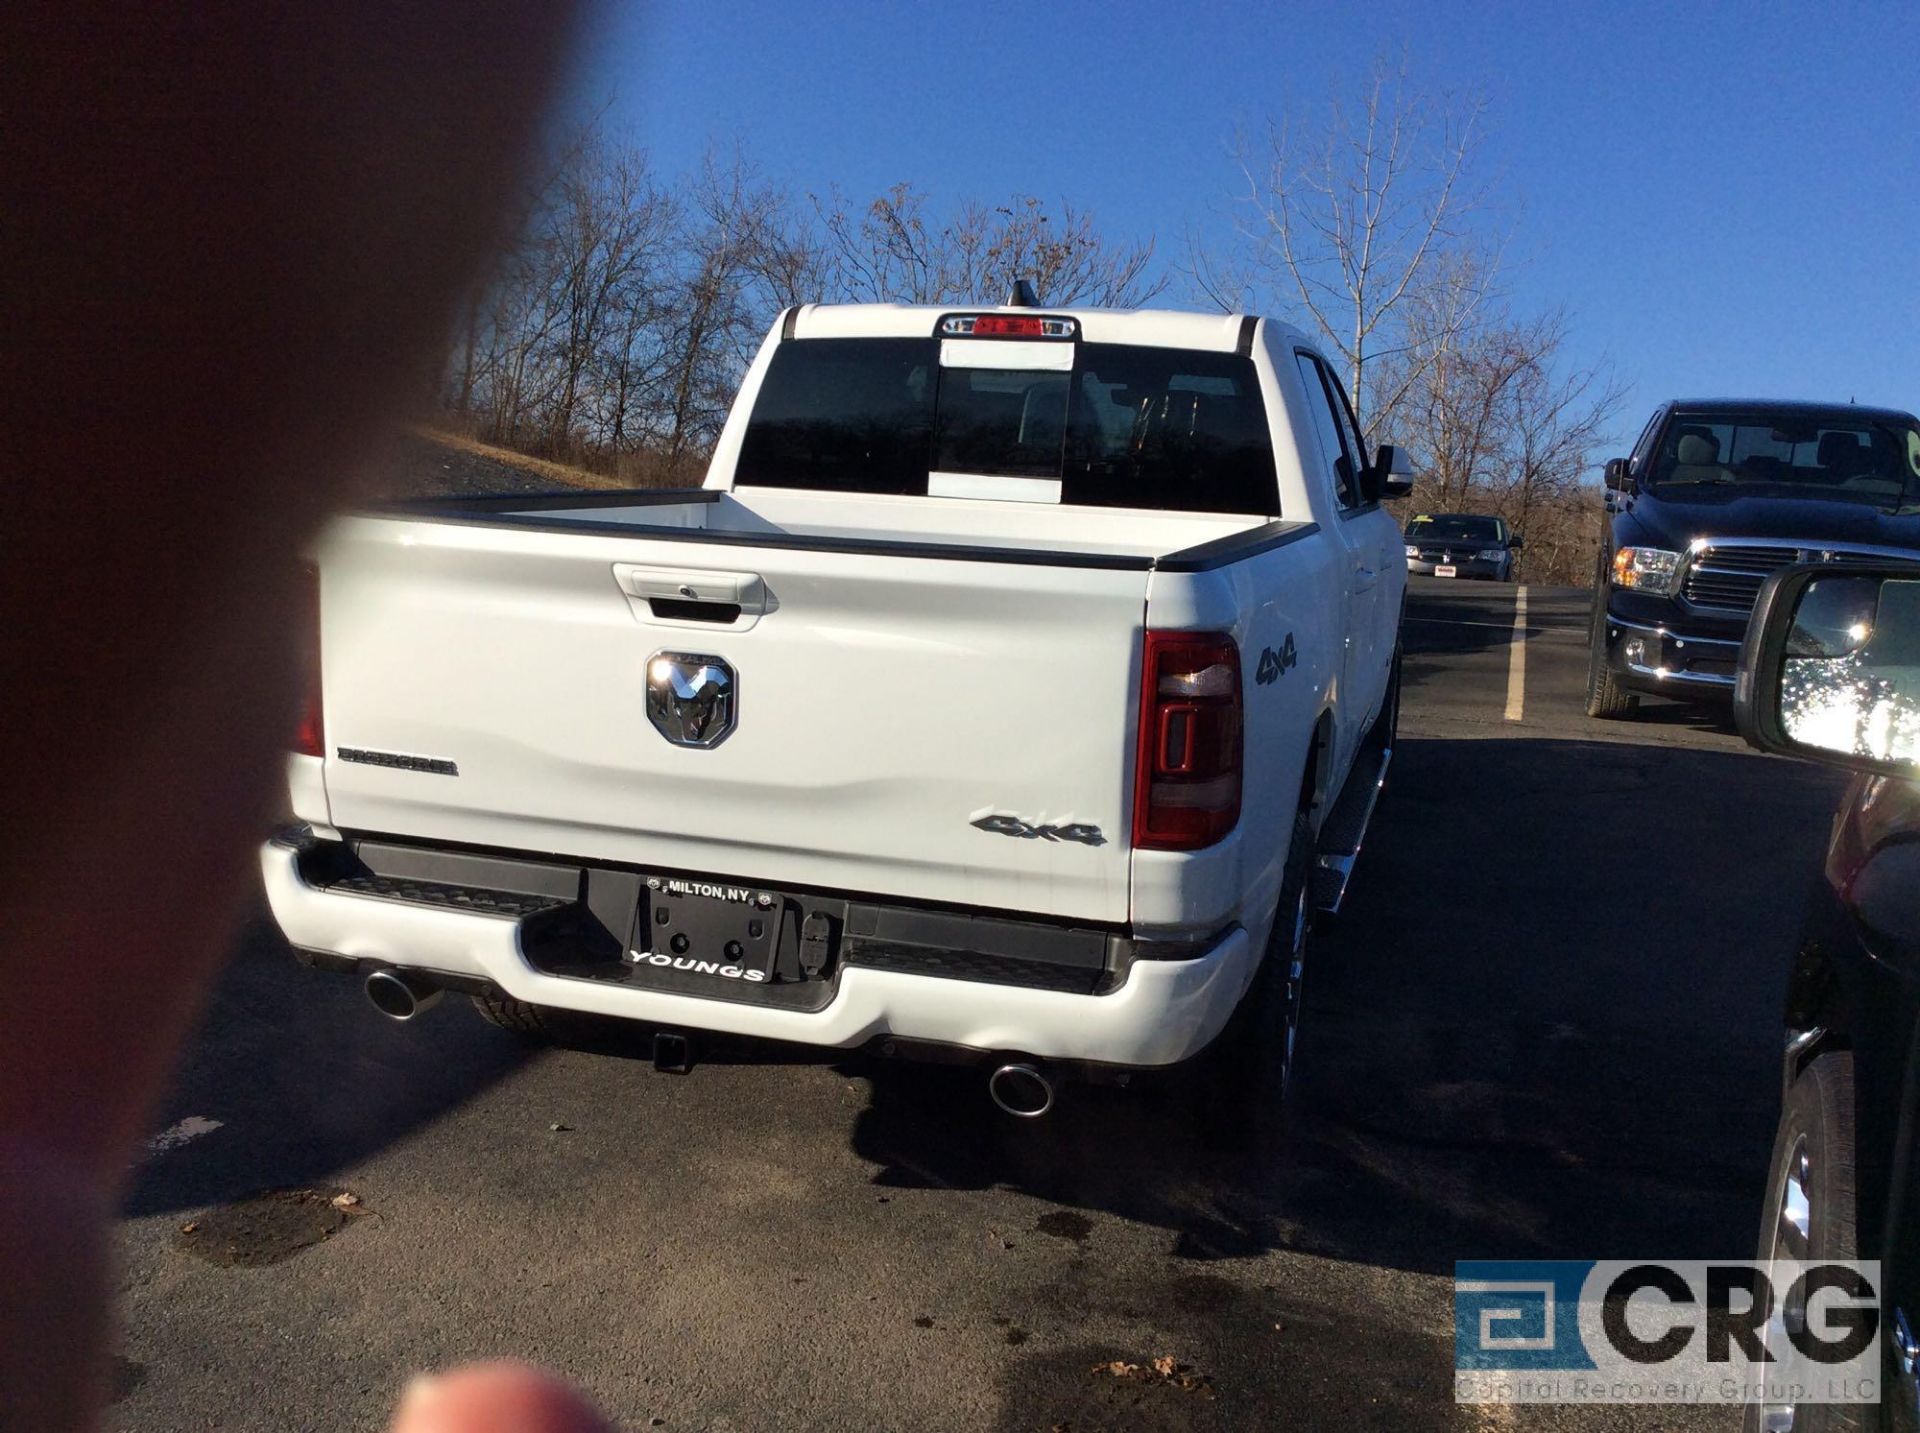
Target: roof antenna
x: 1022, y: 295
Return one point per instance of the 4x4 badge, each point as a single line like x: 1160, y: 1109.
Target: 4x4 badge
x: 1274, y: 664
x: 1001, y: 824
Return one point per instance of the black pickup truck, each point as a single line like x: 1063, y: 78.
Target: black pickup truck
x: 1717, y: 496
x: 1831, y: 673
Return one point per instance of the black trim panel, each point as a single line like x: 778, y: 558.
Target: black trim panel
x: 1223, y: 551
x: 457, y: 508
x: 1244, y: 346
x: 391, y: 839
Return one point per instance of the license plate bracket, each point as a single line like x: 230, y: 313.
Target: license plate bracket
x: 711, y: 923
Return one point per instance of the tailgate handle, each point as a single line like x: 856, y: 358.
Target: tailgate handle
x: 686, y: 593
x: 681, y: 609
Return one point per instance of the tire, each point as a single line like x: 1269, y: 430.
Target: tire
x: 1253, y: 1062
x: 1815, y: 1145
x: 1605, y: 697
x: 530, y: 1022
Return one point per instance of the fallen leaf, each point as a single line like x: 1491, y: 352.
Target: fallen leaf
x: 558, y: 1128
x: 346, y: 1199
x: 1165, y: 1369
x: 189, y: 1226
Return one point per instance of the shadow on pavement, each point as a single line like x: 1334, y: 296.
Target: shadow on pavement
x: 1660, y: 714
x: 321, y: 1080
x: 1547, y: 1027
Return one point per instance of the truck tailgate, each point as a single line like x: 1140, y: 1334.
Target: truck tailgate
x: 489, y: 686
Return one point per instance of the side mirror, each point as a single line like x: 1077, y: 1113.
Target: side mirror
x: 1391, y: 473
x: 1830, y: 670
x: 1617, y: 477
x: 1516, y: 542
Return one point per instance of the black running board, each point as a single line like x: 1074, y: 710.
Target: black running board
x: 1345, y: 829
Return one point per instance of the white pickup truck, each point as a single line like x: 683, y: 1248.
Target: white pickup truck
x: 1013, y: 691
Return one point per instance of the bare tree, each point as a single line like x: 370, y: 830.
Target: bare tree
x: 1500, y: 422
x: 1356, y: 226
x: 716, y: 316
x: 608, y: 242
x: 616, y: 330
x: 893, y: 251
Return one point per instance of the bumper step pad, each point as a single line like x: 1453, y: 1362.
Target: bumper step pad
x: 477, y: 899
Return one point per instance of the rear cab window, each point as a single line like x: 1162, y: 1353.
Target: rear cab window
x: 1126, y: 425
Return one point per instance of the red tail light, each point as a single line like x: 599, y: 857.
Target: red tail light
x: 309, y: 737
x: 1186, y: 791
x: 998, y: 326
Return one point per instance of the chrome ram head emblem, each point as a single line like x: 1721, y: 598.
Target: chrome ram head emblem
x: 690, y: 699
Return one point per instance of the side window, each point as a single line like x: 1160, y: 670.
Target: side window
x: 1334, y: 444
x: 1349, y: 427
x: 1644, y: 447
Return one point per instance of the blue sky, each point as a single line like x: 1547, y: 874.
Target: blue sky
x: 1725, y: 197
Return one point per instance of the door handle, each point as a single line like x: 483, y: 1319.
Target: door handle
x: 1364, y: 578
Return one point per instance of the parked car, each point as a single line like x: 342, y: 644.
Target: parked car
x: 1715, y: 497
x: 1012, y: 692
x: 1831, y: 672
x: 1461, y: 545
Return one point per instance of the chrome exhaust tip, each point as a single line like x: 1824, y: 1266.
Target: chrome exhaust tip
x: 398, y: 996
x: 1021, y: 1091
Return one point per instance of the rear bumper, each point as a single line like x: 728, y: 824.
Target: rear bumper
x: 1659, y: 658
x: 1161, y: 1013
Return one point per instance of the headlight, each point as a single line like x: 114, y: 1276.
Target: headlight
x: 1652, y: 570
x: 1412, y: 551
x: 1491, y: 554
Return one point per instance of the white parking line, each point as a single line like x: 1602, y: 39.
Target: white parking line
x: 1459, y: 622
x: 1517, y: 659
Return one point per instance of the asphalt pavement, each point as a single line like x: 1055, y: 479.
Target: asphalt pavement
x: 1546, y: 1026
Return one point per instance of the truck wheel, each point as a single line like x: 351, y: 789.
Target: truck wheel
x: 1810, y: 1212
x: 1605, y: 698
x: 1254, y: 1058
x: 530, y: 1022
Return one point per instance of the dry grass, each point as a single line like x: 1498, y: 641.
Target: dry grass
x: 541, y: 467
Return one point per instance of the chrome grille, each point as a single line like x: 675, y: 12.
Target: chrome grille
x: 1730, y: 576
